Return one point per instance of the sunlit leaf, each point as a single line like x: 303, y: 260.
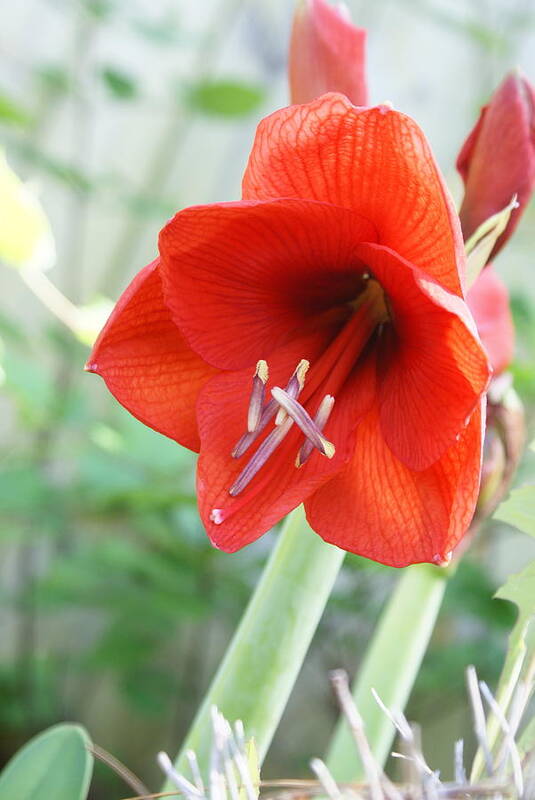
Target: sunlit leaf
x: 225, y: 97
x: 55, y: 764
x: 12, y: 113
x: 480, y: 245
x: 25, y: 235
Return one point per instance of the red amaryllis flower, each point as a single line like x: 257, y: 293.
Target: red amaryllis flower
x: 497, y: 160
x: 488, y: 300
x: 344, y: 256
x: 327, y: 53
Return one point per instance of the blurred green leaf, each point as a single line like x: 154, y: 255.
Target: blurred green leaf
x: 162, y: 32
x: 12, y: 113
x: 519, y: 509
x: 118, y: 83
x: 225, y: 97
x: 55, y: 764
x: 54, y: 78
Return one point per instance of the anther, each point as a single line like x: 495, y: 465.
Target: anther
x: 303, y: 419
x: 294, y: 387
x: 268, y: 446
x: 256, y: 403
x: 320, y: 419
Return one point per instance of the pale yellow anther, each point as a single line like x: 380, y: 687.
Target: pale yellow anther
x: 262, y: 371
x: 300, y: 372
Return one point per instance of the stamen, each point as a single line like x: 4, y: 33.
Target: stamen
x: 303, y: 419
x: 268, y: 446
x: 244, y: 443
x: 256, y: 402
x: 294, y: 387
x: 320, y: 419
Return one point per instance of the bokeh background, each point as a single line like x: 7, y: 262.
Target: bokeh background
x: 114, y: 609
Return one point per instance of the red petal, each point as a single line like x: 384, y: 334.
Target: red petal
x: 488, y: 300
x: 379, y: 508
x: 327, y: 54
x: 243, y: 278
x: 433, y: 369
x: 279, y: 486
x: 146, y: 363
x: 375, y: 161
x: 497, y: 160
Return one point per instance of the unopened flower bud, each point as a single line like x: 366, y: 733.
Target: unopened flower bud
x: 497, y: 161
x: 327, y: 53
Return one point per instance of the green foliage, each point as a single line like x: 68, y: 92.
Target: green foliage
x: 11, y: 113
x: 121, y: 85
x: 227, y: 98
x: 519, y: 509
x: 55, y: 764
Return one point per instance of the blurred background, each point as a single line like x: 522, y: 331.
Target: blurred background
x: 114, y: 609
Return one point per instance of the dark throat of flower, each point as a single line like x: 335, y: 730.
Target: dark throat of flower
x: 307, y: 401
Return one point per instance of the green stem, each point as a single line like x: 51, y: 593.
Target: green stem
x: 262, y: 663
x: 390, y: 666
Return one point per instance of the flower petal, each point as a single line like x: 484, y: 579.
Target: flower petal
x: 488, y: 300
x: 432, y: 368
x: 146, y: 363
x: 375, y: 161
x: 379, y: 508
x: 279, y: 486
x: 243, y: 278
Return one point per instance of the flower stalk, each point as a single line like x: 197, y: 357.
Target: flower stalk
x: 390, y: 666
x: 262, y: 662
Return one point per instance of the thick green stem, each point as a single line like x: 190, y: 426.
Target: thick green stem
x: 390, y: 666
x: 262, y: 663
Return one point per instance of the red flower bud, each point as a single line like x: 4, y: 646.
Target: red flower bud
x: 497, y: 160
x: 327, y: 53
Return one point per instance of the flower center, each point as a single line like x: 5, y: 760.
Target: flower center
x: 287, y: 405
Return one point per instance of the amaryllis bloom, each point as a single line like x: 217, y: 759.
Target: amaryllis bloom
x: 312, y: 342
x: 497, y: 161
x: 327, y: 53
x: 488, y: 300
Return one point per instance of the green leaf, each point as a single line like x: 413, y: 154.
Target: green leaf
x: 119, y: 84
x: 519, y: 509
x: 25, y: 235
x: 519, y: 590
x: 225, y: 97
x: 520, y: 651
x: 13, y: 114
x: 55, y: 764
x: 479, y: 246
